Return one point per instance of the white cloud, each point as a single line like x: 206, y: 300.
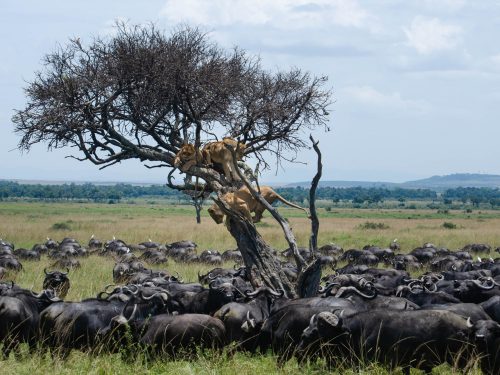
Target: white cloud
x: 285, y: 14
x: 428, y: 35
x: 451, y: 5
x: 369, y: 96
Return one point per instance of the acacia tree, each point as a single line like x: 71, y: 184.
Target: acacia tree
x: 141, y: 94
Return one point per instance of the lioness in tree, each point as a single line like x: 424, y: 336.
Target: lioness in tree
x: 242, y: 200
x: 188, y: 156
x: 217, y: 152
x: 212, y: 152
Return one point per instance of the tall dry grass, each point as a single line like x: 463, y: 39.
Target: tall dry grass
x: 28, y: 223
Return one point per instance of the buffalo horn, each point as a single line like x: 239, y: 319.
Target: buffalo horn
x: 354, y: 289
x: 415, y: 282
x: 312, y: 319
x: 479, y: 285
x: 399, y: 291
x: 47, y: 273
x: 133, y: 313
x: 107, y: 286
x: 211, y: 283
x: 129, y: 287
x: 280, y: 293
x: 255, y: 293
x: 157, y: 294
x: 329, y: 287
x: 36, y: 295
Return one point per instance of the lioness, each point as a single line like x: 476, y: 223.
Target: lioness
x: 242, y: 200
x: 217, y: 152
x: 188, y: 156
x: 212, y: 152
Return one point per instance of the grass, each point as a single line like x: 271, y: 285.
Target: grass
x: 208, y: 363
x: 25, y: 224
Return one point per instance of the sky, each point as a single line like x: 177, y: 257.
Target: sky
x: 416, y: 83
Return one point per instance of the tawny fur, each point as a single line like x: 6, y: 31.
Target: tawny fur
x: 243, y: 202
x: 212, y: 152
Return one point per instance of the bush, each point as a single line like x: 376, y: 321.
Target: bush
x: 61, y: 226
x: 449, y: 225
x: 372, y: 225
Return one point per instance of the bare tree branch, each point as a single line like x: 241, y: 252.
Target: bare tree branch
x: 313, y: 242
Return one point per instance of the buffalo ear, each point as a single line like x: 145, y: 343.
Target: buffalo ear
x: 327, y: 319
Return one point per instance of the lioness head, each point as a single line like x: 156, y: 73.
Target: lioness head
x: 216, y: 213
x: 187, y: 152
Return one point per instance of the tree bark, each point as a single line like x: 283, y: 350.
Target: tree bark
x: 264, y: 267
x: 197, y: 205
x: 313, y: 242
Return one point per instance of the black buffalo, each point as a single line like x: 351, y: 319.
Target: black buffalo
x: 57, y: 281
x: 420, y: 338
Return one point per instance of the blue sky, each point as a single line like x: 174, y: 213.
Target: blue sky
x: 416, y: 83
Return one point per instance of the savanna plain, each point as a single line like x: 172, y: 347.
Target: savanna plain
x: 27, y: 223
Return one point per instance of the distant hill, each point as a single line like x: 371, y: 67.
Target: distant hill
x: 437, y: 183
x: 456, y: 180
x: 345, y: 184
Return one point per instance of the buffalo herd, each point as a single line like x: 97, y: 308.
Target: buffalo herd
x: 370, y: 307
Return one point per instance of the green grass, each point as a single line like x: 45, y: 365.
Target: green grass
x: 209, y: 363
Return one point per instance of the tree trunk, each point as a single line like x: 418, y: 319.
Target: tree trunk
x: 264, y: 267
x: 197, y: 206
x: 313, y: 242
